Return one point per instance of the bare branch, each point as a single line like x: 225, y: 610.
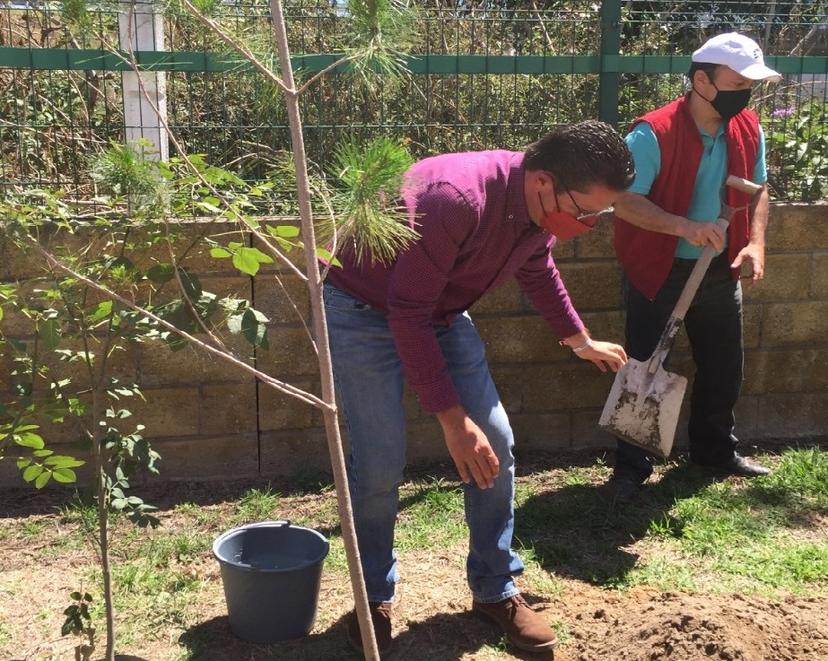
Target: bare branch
x: 281, y: 386
x: 324, y: 71
x: 239, y: 46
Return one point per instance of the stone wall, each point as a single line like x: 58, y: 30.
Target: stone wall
x: 209, y: 421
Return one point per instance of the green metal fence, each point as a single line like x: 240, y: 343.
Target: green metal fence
x: 482, y: 75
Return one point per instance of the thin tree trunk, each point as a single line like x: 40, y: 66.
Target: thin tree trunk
x: 103, y: 519
x: 320, y: 330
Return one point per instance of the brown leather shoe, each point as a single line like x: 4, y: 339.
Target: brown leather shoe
x: 381, y: 619
x: 524, y: 628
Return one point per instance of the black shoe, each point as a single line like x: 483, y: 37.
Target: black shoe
x: 381, y: 619
x: 624, y: 489
x: 739, y: 465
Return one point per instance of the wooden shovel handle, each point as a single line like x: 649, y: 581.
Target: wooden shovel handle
x: 683, y: 304
x: 743, y: 185
x: 702, y: 264
x: 696, y: 276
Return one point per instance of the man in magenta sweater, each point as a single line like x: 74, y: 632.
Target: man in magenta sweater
x: 482, y: 217
x: 683, y: 153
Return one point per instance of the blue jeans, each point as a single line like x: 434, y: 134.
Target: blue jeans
x: 369, y: 382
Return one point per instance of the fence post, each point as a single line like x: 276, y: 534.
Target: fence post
x: 140, y: 28
x: 610, y: 45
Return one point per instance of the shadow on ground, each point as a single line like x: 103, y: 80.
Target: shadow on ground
x: 579, y: 531
x: 25, y: 501
x: 442, y: 637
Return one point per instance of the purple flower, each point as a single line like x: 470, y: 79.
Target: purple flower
x: 783, y: 112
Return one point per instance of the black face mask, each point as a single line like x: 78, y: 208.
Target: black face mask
x: 729, y: 103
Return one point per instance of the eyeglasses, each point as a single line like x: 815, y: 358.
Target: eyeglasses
x: 588, y: 218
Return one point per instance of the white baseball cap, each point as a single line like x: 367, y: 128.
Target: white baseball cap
x: 738, y: 52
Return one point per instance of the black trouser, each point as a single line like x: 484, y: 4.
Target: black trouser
x: 714, y: 327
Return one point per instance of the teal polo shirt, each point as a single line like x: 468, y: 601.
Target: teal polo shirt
x: 704, y: 205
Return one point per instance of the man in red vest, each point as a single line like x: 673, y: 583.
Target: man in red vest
x: 683, y: 152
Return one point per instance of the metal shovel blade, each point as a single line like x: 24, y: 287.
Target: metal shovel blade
x: 643, y: 408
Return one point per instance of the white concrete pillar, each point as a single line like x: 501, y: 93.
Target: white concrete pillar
x: 140, y: 28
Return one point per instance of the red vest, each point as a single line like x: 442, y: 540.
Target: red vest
x: 646, y: 256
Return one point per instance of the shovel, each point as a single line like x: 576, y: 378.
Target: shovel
x: 645, y: 400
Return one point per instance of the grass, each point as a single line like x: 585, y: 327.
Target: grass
x: 431, y: 516
x: 752, y: 536
x: 257, y: 505
x: 33, y: 528
x: 178, y: 548
x: 690, y: 534
x: 154, y: 596
x: 5, y: 635
x: 197, y: 514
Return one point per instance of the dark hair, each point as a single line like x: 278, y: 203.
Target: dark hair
x: 708, y: 67
x: 582, y: 155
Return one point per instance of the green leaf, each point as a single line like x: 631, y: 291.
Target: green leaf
x: 261, y: 257
x: 29, y: 440
x: 1, y: 314
x: 64, y: 475
x: 220, y: 253
x: 254, y: 328
x: 208, y: 207
x: 161, y: 273
x: 326, y: 256
x: 25, y: 428
x: 122, y: 263
x: 283, y: 231
x: 49, y: 333
x: 22, y: 462
x: 191, y: 283
x: 32, y: 472
x: 42, y: 479
x: 251, y: 221
x: 102, y: 311
x: 43, y: 453
x: 245, y: 261
x: 63, y: 461
x: 76, y: 596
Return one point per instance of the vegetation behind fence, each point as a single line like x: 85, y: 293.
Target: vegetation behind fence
x: 483, y: 75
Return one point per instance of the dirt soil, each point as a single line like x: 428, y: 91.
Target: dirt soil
x: 431, y: 622
x: 645, y: 624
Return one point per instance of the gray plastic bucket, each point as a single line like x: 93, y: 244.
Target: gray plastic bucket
x: 271, y: 572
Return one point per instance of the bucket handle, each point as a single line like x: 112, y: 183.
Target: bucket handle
x: 283, y: 523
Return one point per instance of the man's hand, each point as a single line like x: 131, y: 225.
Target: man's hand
x: 469, y: 448
x: 754, y: 255
x: 703, y: 234
x: 604, y: 355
